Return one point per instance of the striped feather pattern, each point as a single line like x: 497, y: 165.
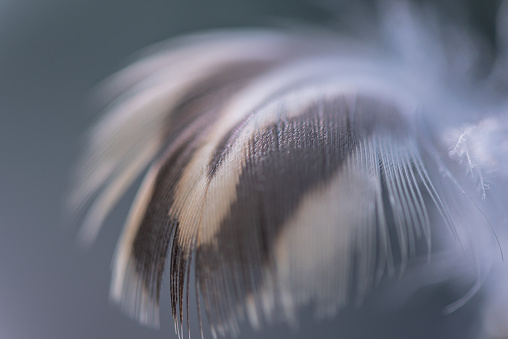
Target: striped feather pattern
x: 285, y: 169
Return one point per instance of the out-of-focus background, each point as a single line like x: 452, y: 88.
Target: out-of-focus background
x: 52, y: 55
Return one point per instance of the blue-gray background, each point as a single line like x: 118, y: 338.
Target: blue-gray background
x: 52, y: 54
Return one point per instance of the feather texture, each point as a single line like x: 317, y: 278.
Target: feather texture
x: 287, y: 169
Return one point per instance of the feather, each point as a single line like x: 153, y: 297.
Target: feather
x: 291, y: 169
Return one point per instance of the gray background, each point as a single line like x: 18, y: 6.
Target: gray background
x: 52, y: 54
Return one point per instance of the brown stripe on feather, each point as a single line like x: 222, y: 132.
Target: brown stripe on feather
x: 282, y: 164
x: 153, y: 236
x: 190, y: 122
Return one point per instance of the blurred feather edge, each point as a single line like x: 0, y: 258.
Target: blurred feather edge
x: 253, y: 136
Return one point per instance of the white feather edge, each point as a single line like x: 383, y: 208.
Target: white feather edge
x: 130, y: 135
x: 199, y: 209
x: 100, y: 168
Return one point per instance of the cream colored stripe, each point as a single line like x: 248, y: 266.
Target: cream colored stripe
x: 323, y: 78
x: 132, y: 129
x: 319, y: 241
x: 220, y: 193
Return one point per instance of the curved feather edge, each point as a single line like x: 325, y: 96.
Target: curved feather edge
x: 268, y: 135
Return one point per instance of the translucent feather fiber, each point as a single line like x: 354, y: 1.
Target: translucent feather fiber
x: 289, y: 168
